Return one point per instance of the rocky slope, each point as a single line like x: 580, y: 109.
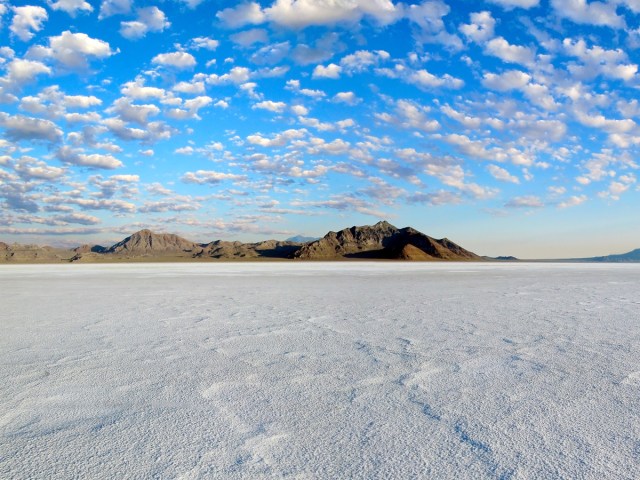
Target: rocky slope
x: 146, y: 243
x: 382, y: 241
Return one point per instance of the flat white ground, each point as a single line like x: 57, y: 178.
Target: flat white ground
x: 313, y: 370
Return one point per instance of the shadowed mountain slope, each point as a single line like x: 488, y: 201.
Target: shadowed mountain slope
x: 382, y: 241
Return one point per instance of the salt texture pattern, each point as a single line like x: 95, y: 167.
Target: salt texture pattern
x: 314, y: 370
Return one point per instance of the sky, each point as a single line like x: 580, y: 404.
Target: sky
x: 508, y: 126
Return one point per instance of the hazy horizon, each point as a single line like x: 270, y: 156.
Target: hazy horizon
x: 507, y: 126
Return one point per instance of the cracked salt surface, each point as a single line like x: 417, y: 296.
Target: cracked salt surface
x: 341, y: 370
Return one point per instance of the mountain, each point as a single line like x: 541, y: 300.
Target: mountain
x: 146, y: 243
x: 32, y: 253
x: 382, y: 241
x: 244, y: 251
x: 301, y: 239
x: 379, y: 241
x: 629, y: 257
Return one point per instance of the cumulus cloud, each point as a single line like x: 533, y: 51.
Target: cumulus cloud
x: 481, y: 27
x: 423, y: 79
x: 429, y: 15
x: 210, y: 177
x: 276, y: 107
x: 510, y: 4
x: 129, y: 112
x: 27, y: 20
x: 598, y: 61
x: 114, y: 7
x: 410, y: 115
x: 593, y: 13
x: 502, y: 174
x: 526, y: 201
x: 31, y: 169
x: 501, y: 48
x: 20, y: 127
x: 205, y: 42
x: 573, y: 201
x: 73, y: 50
x: 349, y: 98
x: 72, y: 7
x: 94, y: 160
x: 179, y: 60
x: 330, y: 71
x: 244, y: 14
x: 247, y: 38
x: 150, y: 19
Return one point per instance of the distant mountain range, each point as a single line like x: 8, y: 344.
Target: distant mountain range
x: 381, y: 241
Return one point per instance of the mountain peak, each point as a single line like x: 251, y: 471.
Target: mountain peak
x: 146, y: 242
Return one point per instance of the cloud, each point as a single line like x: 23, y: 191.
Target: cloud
x: 501, y: 174
x: 441, y: 197
x: 205, y: 42
x: 573, y: 201
x: 593, y: 13
x: 179, y: 60
x: 278, y: 140
x: 526, y: 201
x: 249, y: 37
x: 114, y: 7
x: 428, y: 16
x: 361, y: 60
x: 244, y: 14
x: 21, y: 72
x: 31, y: 169
x: 511, y: 4
x: 509, y: 80
x: 501, y: 48
x: 277, y: 107
x: 150, y: 19
x: 27, y: 20
x: 598, y: 61
x: 20, y: 127
x: 202, y: 177
x: 410, y: 115
x: 78, y: 218
x: 481, y: 27
x: 72, y: 7
x: 73, y: 50
x: 94, y: 160
x: 422, y: 78
x: 330, y: 71
x: 129, y: 112
x: 349, y: 98
x: 138, y: 91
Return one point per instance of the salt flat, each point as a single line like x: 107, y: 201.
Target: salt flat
x: 314, y: 370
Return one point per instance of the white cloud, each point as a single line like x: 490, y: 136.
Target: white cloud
x: 244, y: 14
x: 72, y: 7
x: 31, y: 169
x: 205, y: 42
x: 19, y: 127
x: 300, y: 110
x: 361, y: 60
x: 502, y: 174
x: 138, y: 91
x: 20, y: 72
x: 192, y: 88
x: 278, y: 140
x: 298, y: 14
x: 501, y: 48
x: 481, y: 27
x: 150, y: 19
x: 277, y: 107
x: 573, y: 201
x: 599, y: 61
x: 93, y: 160
x: 330, y: 71
x: 180, y: 60
x: 410, y: 115
x: 114, y: 7
x: 593, y: 13
x: 510, y: 4
x: 249, y: 37
x: 349, y: 98
x: 509, y: 80
x: 210, y: 177
x: 237, y: 76
x: 526, y: 201
x: 27, y: 20
x: 127, y: 111
x: 428, y: 16
x: 73, y: 50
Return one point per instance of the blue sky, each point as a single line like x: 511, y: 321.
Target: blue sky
x: 508, y: 126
